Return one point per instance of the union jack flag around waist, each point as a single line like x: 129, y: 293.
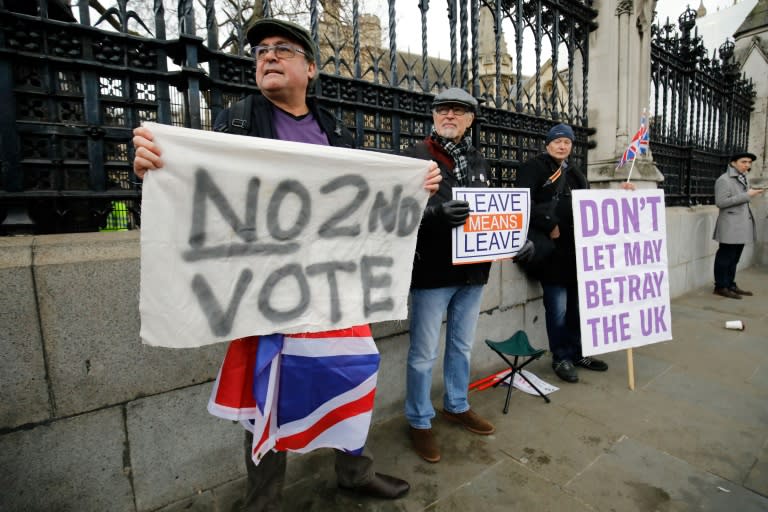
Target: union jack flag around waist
x: 300, y: 392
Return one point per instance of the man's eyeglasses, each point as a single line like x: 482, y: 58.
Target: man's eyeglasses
x: 282, y: 51
x: 458, y: 110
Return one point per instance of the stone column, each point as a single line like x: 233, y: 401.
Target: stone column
x: 754, y: 66
x: 619, y: 90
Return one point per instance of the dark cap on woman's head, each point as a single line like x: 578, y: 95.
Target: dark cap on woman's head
x: 559, y: 131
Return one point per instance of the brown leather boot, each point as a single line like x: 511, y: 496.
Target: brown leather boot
x: 425, y: 444
x: 471, y: 422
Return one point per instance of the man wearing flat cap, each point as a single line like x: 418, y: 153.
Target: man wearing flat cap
x: 735, y: 224
x: 284, y: 55
x: 439, y: 287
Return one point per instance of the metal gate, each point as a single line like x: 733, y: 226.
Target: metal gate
x: 73, y: 88
x: 700, y: 111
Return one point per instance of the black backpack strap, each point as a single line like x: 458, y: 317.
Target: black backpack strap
x: 239, y: 120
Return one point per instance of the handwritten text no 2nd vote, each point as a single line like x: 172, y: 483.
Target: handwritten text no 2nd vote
x: 391, y: 211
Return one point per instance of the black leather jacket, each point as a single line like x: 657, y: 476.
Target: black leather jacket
x: 261, y: 122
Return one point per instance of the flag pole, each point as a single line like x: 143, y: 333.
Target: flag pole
x: 630, y: 358
x: 639, y: 150
x: 629, y: 174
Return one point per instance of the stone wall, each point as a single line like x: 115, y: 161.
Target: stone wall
x: 92, y: 420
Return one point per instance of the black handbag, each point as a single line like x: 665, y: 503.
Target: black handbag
x: 544, y: 246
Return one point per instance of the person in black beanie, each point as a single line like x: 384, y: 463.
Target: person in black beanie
x: 551, y: 181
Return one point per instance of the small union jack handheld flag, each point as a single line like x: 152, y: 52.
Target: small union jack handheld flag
x: 639, y: 144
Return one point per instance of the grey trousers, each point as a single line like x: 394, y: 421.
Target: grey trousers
x: 264, y: 488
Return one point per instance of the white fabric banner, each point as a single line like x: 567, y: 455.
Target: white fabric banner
x: 244, y: 236
x: 621, y: 255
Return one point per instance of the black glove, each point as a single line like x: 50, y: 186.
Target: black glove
x: 526, y: 253
x: 453, y: 212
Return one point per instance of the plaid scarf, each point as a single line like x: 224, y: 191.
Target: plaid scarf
x: 458, y: 152
x: 743, y: 180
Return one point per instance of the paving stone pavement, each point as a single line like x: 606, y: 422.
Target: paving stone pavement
x: 692, y: 436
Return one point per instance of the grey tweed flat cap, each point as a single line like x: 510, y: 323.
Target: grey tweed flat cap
x: 454, y: 96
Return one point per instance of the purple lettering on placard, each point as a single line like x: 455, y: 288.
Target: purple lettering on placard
x: 621, y: 282
x: 610, y: 214
x: 598, y: 254
x: 616, y: 327
x: 592, y: 323
x: 610, y: 221
x: 630, y: 216
x: 609, y: 329
x: 633, y: 287
x: 605, y: 289
x: 643, y: 252
x: 589, y: 224
x: 652, y: 320
x: 610, y: 291
x: 615, y: 216
x: 591, y: 296
x: 654, y: 203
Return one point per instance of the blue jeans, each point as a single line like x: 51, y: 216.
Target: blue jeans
x: 561, y: 306
x: 427, y: 308
x: 726, y: 259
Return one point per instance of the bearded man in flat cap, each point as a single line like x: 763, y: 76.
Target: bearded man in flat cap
x: 437, y: 286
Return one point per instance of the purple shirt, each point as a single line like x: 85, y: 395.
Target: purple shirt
x: 297, y: 129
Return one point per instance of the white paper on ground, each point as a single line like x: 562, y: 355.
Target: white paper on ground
x: 521, y: 384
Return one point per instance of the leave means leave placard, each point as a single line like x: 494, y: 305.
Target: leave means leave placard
x: 497, y: 226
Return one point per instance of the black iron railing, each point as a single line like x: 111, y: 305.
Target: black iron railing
x: 700, y: 111
x: 73, y: 90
